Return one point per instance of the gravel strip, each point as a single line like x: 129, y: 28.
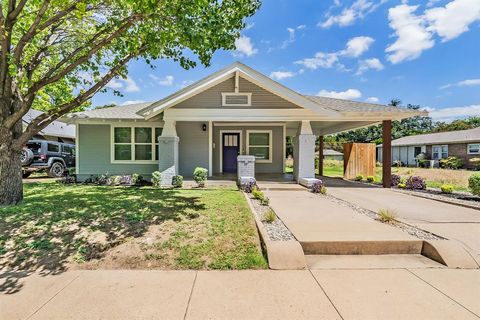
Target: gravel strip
x: 453, y: 198
x: 414, y: 231
x: 276, y: 230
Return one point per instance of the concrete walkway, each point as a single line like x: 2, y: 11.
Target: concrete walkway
x: 447, y: 220
x: 262, y: 294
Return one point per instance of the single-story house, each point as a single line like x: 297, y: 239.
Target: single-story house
x: 234, y: 111
x: 464, y: 144
x: 56, y: 131
x: 330, y: 154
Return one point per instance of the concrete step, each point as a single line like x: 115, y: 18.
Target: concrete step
x: 388, y: 261
x: 360, y: 247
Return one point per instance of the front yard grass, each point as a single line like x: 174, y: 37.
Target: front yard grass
x: 84, y: 226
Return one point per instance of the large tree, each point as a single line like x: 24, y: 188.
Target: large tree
x: 56, y: 54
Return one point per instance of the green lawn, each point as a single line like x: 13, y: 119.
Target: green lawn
x: 60, y: 226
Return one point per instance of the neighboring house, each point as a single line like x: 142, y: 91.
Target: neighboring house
x: 329, y: 154
x: 464, y: 144
x: 234, y: 111
x: 56, y: 131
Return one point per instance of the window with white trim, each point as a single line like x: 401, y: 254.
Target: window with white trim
x: 439, y: 152
x: 259, y: 144
x: 135, y: 143
x: 473, y: 148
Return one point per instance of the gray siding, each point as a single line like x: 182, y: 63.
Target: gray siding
x: 212, y: 98
x: 193, y: 147
x: 94, y: 148
x: 277, y: 144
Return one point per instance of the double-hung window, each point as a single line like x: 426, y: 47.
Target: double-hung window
x: 259, y: 144
x: 473, y: 148
x: 135, y: 144
x: 440, y: 152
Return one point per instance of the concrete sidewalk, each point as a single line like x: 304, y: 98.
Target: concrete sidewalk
x: 447, y: 220
x: 262, y: 294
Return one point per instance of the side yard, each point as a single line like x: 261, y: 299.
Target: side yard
x: 87, y: 226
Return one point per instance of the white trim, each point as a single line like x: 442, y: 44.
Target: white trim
x: 210, y: 148
x: 284, y: 156
x: 132, y: 144
x: 247, y: 124
x: 468, y: 148
x: 77, y: 149
x: 270, y: 146
x: 237, y: 82
x: 221, y: 145
x: 247, y: 94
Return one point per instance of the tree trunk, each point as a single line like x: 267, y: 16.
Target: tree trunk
x: 11, y: 185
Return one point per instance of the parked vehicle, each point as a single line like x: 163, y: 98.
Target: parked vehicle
x: 53, y: 157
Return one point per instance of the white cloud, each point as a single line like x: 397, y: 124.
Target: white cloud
x: 244, y: 47
x: 357, y: 46
x: 128, y: 85
x: 372, y: 99
x: 452, y: 20
x: 167, y: 81
x: 280, y: 75
x: 368, y: 64
x: 354, y: 48
x: 131, y: 102
x: 463, y: 83
x: 448, y: 114
x: 412, y: 39
x: 347, y: 94
x: 358, y: 10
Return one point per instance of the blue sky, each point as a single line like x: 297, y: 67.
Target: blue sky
x: 422, y: 52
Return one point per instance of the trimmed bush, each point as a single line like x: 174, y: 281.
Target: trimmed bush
x: 416, y: 183
x: 396, y: 179
x: 136, y: 178
x: 318, y: 187
x: 359, y: 178
x: 265, y: 201
x: 177, y: 181
x: 446, y: 188
x: 258, y: 194
x: 371, y: 179
x: 156, y: 179
x: 474, y: 183
x: 451, y: 162
x: 200, y: 176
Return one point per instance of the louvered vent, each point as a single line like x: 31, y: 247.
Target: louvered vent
x: 236, y: 99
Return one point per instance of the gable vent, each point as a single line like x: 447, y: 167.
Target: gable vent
x: 230, y: 99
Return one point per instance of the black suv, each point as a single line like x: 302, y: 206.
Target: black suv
x: 54, y: 157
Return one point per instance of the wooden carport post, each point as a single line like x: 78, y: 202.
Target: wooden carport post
x: 320, y: 155
x: 387, y: 153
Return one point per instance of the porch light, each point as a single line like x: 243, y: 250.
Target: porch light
x: 204, y: 127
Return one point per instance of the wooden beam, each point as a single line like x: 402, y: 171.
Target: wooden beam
x: 387, y: 153
x: 320, y: 155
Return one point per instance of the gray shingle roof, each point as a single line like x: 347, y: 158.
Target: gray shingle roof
x: 117, y: 112
x: 330, y: 152
x: 342, y: 105
x: 56, y: 128
x: 471, y: 135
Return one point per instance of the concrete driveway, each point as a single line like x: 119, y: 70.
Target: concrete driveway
x: 447, y: 220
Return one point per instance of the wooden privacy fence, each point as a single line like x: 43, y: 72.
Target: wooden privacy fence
x: 358, y: 159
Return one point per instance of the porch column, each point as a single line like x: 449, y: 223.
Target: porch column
x: 168, y: 153
x: 387, y: 154
x: 320, y: 155
x: 304, y: 152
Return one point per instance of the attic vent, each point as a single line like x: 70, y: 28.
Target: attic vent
x: 230, y: 99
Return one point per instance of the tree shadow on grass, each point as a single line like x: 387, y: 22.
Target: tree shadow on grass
x: 56, y: 223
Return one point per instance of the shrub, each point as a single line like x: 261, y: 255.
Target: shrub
x: 451, y: 162
x: 269, y: 216
x: 319, y: 187
x: 200, y: 176
x: 475, y: 162
x: 370, y: 179
x: 248, y: 186
x: 359, y: 178
x: 156, y: 179
x: 104, y: 179
x: 446, y: 188
x: 136, y: 178
x: 416, y: 182
x: 258, y: 194
x: 402, y: 185
x: 398, y: 163
x: 474, y: 183
x: 265, y: 201
x: 396, y: 179
x: 177, y: 181
x: 386, y: 215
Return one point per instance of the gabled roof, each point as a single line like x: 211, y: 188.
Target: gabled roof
x: 461, y: 136
x: 226, y: 73
x: 56, y: 128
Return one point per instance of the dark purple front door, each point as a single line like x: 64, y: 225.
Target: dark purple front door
x: 231, y: 149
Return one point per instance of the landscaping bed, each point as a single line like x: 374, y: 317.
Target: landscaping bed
x: 125, y: 227
x: 459, y: 198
